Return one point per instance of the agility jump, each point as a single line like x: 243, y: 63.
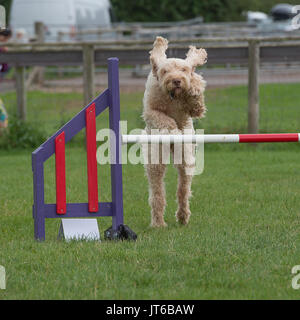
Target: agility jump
x: 86, y: 118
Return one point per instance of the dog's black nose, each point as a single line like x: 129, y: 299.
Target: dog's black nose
x: 176, y: 82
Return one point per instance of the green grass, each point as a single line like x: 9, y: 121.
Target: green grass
x: 242, y: 240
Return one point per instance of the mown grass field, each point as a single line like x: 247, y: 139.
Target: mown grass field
x: 242, y: 240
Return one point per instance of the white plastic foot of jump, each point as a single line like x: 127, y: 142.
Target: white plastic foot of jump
x: 79, y: 229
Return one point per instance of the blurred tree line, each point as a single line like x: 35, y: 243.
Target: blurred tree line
x: 175, y: 10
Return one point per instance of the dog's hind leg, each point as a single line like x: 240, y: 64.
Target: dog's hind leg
x: 157, y: 197
x: 183, y: 194
x: 185, y: 176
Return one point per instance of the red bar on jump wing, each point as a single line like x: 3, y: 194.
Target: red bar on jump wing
x: 91, y: 148
x: 273, y: 137
x: 60, y: 167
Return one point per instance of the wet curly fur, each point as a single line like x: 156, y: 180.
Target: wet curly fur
x: 174, y: 95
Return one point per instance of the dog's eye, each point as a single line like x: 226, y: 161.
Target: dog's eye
x: 163, y: 71
x: 183, y: 69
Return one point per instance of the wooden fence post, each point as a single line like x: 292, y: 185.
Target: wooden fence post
x: 253, y: 86
x: 40, y: 37
x: 88, y: 72
x: 21, y: 92
x: 39, y: 32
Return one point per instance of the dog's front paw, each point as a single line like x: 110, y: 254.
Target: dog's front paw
x: 198, y: 111
x: 195, y: 91
x: 197, y: 85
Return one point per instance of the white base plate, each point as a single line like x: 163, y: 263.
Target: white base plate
x: 79, y: 229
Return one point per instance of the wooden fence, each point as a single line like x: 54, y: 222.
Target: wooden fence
x: 170, y: 30
x: 248, y: 51
x: 179, y: 30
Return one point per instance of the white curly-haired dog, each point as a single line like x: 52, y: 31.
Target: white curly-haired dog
x: 174, y: 95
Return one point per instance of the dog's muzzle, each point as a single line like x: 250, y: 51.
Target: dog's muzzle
x: 176, y: 88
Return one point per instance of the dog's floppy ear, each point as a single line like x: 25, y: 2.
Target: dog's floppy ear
x: 196, y: 57
x: 158, y: 53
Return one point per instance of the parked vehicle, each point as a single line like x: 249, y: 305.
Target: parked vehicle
x: 257, y: 17
x: 279, y: 21
x: 67, y: 16
x: 282, y: 12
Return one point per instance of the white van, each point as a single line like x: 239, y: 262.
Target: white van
x: 59, y: 15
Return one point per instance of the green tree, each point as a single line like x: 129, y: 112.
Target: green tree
x: 175, y: 10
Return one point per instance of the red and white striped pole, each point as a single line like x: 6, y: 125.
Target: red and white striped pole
x: 213, y: 138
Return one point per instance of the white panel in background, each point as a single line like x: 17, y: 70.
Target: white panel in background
x: 2, y: 18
